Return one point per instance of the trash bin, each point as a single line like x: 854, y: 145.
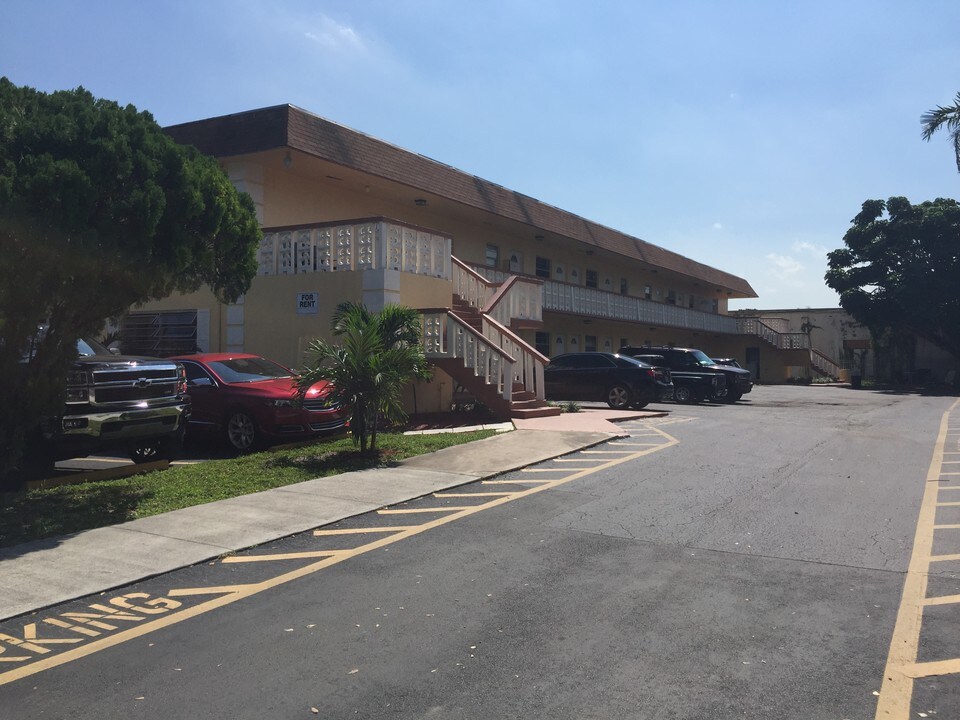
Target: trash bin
x: 855, y: 381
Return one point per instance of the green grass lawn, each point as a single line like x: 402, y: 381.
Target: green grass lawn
x: 37, y: 514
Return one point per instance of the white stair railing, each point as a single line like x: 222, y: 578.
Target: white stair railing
x: 824, y: 364
x: 528, y: 362
x: 446, y: 335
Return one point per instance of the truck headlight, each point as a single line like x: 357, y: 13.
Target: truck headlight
x: 78, y: 391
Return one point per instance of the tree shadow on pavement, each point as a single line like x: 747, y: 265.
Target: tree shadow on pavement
x: 36, y: 514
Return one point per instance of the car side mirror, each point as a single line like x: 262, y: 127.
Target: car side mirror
x: 200, y: 382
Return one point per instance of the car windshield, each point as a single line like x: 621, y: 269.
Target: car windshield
x: 245, y: 370
x: 87, y: 347
x: 702, y: 358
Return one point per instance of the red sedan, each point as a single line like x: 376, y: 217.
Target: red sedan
x: 251, y: 401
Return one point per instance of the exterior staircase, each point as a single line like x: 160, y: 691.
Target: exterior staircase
x: 820, y: 364
x: 523, y: 403
x: 486, y: 358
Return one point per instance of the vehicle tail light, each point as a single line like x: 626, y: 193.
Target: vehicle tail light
x: 181, y: 380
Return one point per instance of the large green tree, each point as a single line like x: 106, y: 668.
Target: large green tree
x: 99, y: 210
x: 900, y: 269
x: 944, y: 117
x: 376, y: 356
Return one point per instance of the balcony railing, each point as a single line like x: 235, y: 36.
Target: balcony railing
x: 365, y: 244
x: 780, y: 340
x: 512, y: 298
x: 590, y: 302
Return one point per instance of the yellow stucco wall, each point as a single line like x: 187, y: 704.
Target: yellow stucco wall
x: 295, y: 196
x: 272, y: 325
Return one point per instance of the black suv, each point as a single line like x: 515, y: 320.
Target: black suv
x: 690, y: 385
x: 695, y: 363
x: 618, y: 380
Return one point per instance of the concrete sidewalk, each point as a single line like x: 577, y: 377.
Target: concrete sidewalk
x: 47, y: 572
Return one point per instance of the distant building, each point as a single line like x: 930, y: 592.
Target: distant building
x: 835, y: 337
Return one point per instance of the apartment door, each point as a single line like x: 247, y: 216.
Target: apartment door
x: 753, y: 362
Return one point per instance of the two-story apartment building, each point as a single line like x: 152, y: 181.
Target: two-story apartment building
x: 503, y: 281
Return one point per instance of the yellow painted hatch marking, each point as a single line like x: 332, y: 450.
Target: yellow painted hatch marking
x: 896, y: 691
x: 363, y: 531
x: 528, y: 481
x: 279, y: 556
x: 468, y: 495
x: 413, y: 511
x: 232, y: 593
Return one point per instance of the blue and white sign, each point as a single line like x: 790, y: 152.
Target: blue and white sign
x: 308, y: 303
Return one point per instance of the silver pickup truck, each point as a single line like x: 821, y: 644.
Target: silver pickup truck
x: 113, y: 402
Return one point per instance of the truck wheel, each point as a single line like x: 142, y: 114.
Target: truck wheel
x: 242, y: 434
x: 618, y: 397
x: 168, y: 448
x: 732, y: 397
x: 683, y: 394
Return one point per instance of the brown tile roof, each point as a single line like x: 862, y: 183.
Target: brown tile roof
x: 289, y: 126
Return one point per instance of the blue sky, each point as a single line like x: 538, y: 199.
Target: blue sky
x: 742, y: 134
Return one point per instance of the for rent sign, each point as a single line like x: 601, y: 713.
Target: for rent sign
x: 308, y: 303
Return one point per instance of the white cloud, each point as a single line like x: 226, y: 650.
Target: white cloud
x: 786, y: 269
x: 718, y: 226
x: 802, y: 246
x: 334, y: 36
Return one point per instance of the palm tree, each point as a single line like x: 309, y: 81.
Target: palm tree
x: 377, y: 355
x: 948, y: 117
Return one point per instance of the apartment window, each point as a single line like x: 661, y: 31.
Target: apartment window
x: 590, y: 343
x: 543, y: 267
x: 591, y: 279
x: 690, y: 303
x: 493, y: 256
x: 542, y: 343
x: 671, y: 298
x: 647, y: 292
x: 624, y: 288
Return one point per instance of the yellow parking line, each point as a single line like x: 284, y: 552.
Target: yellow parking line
x: 896, y: 690
x: 946, y: 527
x: 413, y: 511
x: 944, y: 558
x: 942, y: 600
x: 216, y: 590
x: 606, y: 452
x: 364, y: 530
x: 279, y: 556
x: 230, y: 594
x: 468, y: 495
x: 531, y: 481
x: 932, y: 669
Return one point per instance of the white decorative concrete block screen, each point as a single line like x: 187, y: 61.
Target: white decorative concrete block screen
x: 354, y: 245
